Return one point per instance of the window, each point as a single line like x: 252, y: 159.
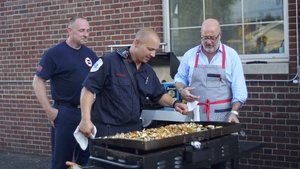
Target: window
x: 256, y: 29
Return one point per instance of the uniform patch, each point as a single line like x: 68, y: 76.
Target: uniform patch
x: 120, y: 74
x: 88, y: 62
x: 97, y: 65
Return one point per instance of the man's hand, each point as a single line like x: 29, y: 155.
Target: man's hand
x: 52, y: 114
x: 72, y: 165
x: 182, y: 108
x: 186, y: 94
x: 232, y: 118
x: 86, y: 127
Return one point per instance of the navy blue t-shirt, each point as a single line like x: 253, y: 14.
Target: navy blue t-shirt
x: 116, y: 102
x: 66, y: 68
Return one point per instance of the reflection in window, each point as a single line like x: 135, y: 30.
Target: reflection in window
x: 226, y: 11
x: 232, y: 36
x: 185, y: 13
x: 185, y: 39
x: 265, y: 38
x: 262, y: 11
x: 249, y: 26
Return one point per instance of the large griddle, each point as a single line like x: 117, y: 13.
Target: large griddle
x: 227, y: 128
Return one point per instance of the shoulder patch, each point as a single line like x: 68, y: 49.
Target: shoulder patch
x: 97, y: 65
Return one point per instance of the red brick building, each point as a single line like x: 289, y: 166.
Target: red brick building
x: 28, y: 27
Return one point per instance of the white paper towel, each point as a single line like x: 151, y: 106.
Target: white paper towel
x: 81, y: 139
x: 193, y: 106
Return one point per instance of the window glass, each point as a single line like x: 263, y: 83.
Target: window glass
x: 262, y: 11
x: 264, y: 38
x: 186, y: 13
x: 254, y: 28
x: 263, y: 28
x: 184, y: 39
x: 226, y: 11
x: 232, y: 36
x: 185, y: 20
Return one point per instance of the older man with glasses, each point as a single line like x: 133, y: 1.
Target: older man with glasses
x: 211, y: 76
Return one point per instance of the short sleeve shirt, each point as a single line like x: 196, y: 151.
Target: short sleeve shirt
x: 66, y: 68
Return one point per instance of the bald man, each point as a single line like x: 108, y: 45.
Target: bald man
x: 112, y: 96
x: 211, y: 74
x: 66, y: 65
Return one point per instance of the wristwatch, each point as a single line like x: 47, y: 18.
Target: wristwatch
x: 234, y: 112
x: 175, y: 102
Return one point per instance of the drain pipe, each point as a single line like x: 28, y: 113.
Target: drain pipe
x: 297, y: 80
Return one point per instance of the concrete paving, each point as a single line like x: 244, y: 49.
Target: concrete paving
x: 23, y: 161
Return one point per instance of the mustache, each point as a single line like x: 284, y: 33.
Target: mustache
x: 211, y: 45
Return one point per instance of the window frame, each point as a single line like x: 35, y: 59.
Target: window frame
x: 276, y: 63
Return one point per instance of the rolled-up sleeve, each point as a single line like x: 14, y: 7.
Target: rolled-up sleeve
x: 237, y: 78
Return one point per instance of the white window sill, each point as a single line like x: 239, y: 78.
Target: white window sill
x: 270, y: 68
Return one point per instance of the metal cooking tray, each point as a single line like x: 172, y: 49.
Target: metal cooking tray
x: 227, y: 128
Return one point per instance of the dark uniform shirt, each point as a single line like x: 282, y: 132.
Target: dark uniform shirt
x: 116, y: 102
x: 66, y: 68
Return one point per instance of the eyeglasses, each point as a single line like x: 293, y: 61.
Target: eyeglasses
x: 212, y: 38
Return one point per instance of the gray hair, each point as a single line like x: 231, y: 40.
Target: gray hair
x: 73, y: 20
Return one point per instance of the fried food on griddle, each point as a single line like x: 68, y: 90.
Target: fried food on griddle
x: 170, y: 130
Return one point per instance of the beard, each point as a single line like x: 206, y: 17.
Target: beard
x: 211, y: 48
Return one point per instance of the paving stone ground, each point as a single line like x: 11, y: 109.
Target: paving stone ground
x: 23, y: 161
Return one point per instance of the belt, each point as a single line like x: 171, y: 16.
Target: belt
x: 208, y: 103
x: 67, y: 104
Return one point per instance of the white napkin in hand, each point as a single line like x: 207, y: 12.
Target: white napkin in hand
x: 81, y: 139
x: 193, y: 106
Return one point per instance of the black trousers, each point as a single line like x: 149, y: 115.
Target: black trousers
x: 221, y: 165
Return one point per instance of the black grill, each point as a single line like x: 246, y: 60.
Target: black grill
x: 217, y: 145
x: 184, y: 156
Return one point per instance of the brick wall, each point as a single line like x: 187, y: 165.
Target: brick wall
x: 272, y: 113
x: 28, y: 27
